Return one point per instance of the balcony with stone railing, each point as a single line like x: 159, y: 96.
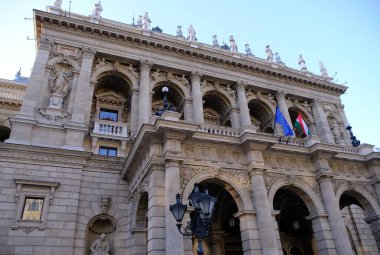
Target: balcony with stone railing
x: 219, y: 130
x: 111, y: 129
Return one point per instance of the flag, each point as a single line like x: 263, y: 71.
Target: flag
x: 300, y: 124
x: 281, y: 123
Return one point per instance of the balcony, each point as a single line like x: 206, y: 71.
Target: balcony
x: 110, y: 129
x: 219, y: 130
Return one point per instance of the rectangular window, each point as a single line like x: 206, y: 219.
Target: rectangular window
x: 107, y: 151
x: 106, y: 114
x: 32, y: 208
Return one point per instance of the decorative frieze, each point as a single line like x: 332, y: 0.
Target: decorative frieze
x: 219, y: 154
x: 288, y: 162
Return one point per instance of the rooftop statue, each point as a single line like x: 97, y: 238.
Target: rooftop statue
x: 139, y: 21
x: 323, y: 70
x: 269, y: 53
x: 302, y: 63
x: 97, y: 10
x: 248, y: 51
x: 58, y: 4
x: 215, y: 41
x: 278, y: 58
x: 179, y: 31
x: 146, y: 21
x: 192, y: 33
x: 233, y: 46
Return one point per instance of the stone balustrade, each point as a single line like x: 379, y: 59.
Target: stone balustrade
x: 219, y: 130
x: 111, y: 128
x: 6, y: 94
x: 292, y: 141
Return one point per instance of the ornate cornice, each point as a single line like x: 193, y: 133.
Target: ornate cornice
x: 125, y: 34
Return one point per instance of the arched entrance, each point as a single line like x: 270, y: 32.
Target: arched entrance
x: 296, y: 233
x: 358, y: 215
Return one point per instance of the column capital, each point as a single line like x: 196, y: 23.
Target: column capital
x: 317, y: 102
x: 324, y: 177
x: 145, y: 65
x: 45, y: 44
x: 88, y: 53
x: 241, y: 85
x: 280, y: 95
x: 173, y: 162
x: 256, y: 171
x: 195, y: 76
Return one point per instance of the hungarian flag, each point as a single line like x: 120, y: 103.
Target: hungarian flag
x: 300, y: 124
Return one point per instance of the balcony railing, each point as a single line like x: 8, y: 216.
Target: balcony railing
x: 219, y: 130
x: 111, y: 128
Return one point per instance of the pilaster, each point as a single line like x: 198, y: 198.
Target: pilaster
x: 322, y: 234
x: 134, y: 111
x: 323, y: 126
x: 196, y: 94
x: 249, y: 232
x: 144, y: 92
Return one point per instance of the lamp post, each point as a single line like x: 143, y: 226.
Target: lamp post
x: 165, y: 107
x: 200, y: 219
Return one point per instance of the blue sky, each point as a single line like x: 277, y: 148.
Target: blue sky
x: 345, y: 35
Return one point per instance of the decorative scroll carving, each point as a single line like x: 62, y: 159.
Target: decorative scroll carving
x: 45, y: 44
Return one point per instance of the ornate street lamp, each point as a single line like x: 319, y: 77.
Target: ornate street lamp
x: 165, y: 107
x: 200, y: 222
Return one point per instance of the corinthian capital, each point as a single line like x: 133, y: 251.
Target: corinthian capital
x: 280, y: 95
x: 45, y: 44
x: 195, y: 76
x: 317, y: 102
x: 88, y: 52
x: 241, y: 85
x: 145, y: 65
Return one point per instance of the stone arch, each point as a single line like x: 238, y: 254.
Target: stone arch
x: 262, y: 114
x: 99, y: 224
x: 70, y: 61
x: 218, y: 108
x: 238, y: 193
x: 306, y: 114
x: 264, y: 100
x: 366, y: 200
x: 309, y: 197
x: 179, y: 86
x: 231, y: 101
x: 130, y: 76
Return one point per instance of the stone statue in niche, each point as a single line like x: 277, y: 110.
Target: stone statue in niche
x: 101, y: 246
x: 105, y: 204
x: 60, y: 84
x: 269, y: 53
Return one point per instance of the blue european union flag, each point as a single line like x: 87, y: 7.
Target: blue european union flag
x: 281, y: 121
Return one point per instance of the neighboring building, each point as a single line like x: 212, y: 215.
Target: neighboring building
x: 87, y: 155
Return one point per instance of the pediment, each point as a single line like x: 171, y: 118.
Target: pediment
x: 110, y: 97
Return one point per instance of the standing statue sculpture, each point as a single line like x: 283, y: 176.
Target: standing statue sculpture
x: 278, y: 58
x: 58, y: 4
x: 215, y: 41
x: 146, y: 21
x: 302, y: 63
x: 191, y: 31
x: 269, y: 53
x: 97, y: 10
x: 139, y: 21
x: 59, y: 84
x: 233, y: 46
x: 179, y: 31
x: 101, y: 246
x: 335, y: 130
x: 248, y: 51
x: 323, y: 70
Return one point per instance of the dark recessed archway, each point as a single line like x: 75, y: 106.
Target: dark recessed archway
x: 4, y: 133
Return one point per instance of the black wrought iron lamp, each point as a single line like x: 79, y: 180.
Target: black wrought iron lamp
x: 165, y: 107
x: 200, y: 219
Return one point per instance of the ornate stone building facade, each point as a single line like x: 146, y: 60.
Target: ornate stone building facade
x: 84, y: 154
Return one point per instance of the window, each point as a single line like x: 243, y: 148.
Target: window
x: 106, y: 114
x: 107, y: 151
x: 33, y: 198
x: 32, y: 208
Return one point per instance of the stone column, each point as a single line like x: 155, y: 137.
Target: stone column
x: 144, y: 91
x: 156, y: 211
x: 234, y: 116
x: 280, y: 96
x: 188, y: 110
x: 83, y: 88
x: 323, y: 126
x: 249, y: 233
x: 337, y: 226
x: 174, y: 239
x: 133, y: 120
x: 196, y: 94
x: 266, y: 227
x: 37, y: 77
x: 322, y: 234
x: 23, y: 122
x: 342, y: 114
x: 245, y: 118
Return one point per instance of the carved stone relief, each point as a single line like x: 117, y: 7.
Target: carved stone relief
x: 288, y: 162
x: 104, y: 64
x: 105, y: 204
x: 363, y: 185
